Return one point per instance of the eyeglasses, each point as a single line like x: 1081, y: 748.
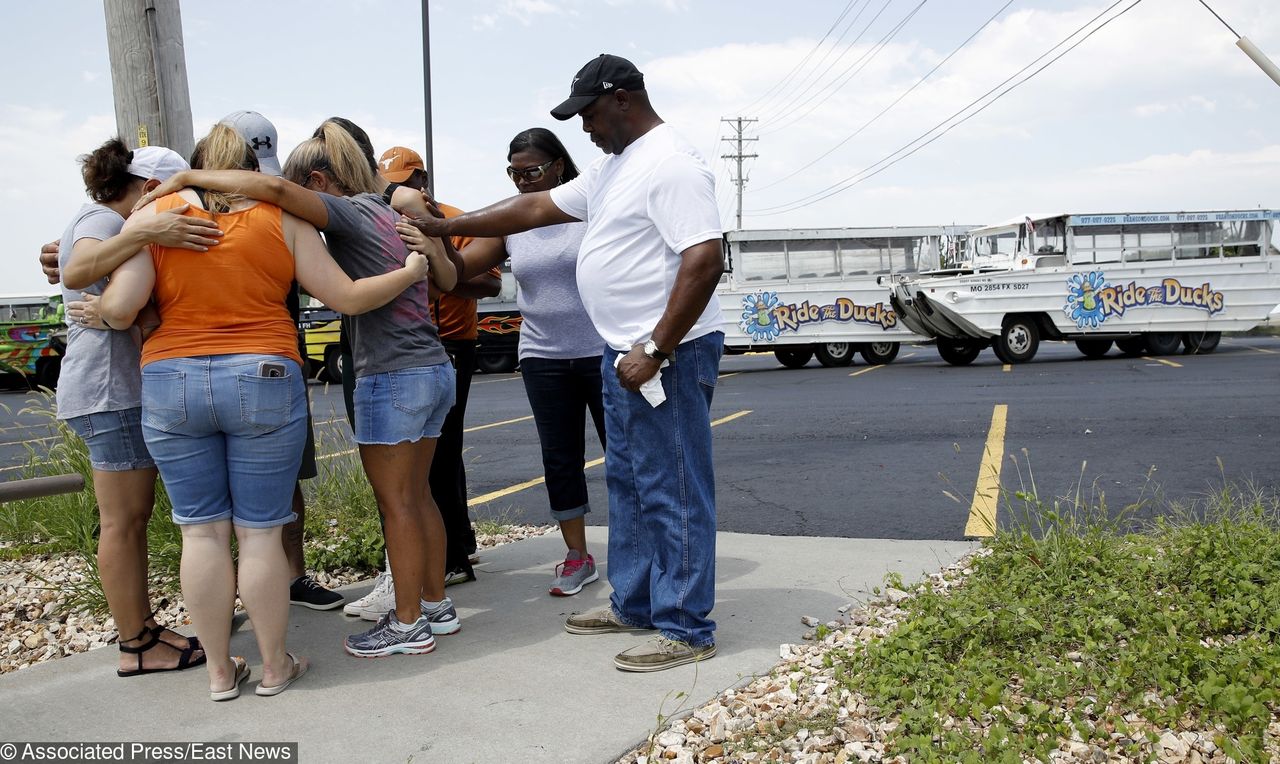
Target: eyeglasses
x: 530, y: 174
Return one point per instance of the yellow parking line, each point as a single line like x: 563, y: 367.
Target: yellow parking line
x: 986, y: 495
x: 1261, y: 350
x: 491, y: 381
x: 479, y: 427
x: 1163, y: 361
x: 869, y: 368
x: 1007, y: 367
x: 730, y: 374
x: 488, y: 497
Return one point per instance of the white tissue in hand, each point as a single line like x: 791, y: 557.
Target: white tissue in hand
x: 652, y: 389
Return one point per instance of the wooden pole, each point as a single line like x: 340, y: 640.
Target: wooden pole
x: 149, y: 73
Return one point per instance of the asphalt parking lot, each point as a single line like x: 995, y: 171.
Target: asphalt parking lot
x: 899, y: 451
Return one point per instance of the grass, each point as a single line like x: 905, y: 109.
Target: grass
x: 1071, y: 622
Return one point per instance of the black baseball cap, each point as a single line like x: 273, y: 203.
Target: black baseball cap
x: 602, y: 74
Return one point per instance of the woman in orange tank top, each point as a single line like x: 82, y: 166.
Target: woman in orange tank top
x: 223, y: 406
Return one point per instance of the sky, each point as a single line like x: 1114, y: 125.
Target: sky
x: 1157, y: 110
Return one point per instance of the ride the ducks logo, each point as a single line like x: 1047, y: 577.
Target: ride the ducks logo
x: 764, y: 316
x: 1091, y: 300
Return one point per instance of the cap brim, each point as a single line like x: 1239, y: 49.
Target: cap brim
x: 397, y: 176
x: 269, y: 166
x: 572, y: 106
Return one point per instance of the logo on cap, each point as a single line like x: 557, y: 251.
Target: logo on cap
x: 261, y: 142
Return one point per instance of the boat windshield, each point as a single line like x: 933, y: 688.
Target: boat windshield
x: 1000, y: 243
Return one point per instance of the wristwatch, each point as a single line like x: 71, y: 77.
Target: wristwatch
x: 651, y: 350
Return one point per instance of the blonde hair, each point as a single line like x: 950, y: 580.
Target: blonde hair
x: 335, y: 153
x: 223, y: 149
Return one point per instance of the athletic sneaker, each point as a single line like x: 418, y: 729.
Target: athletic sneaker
x: 390, y: 637
x: 443, y: 617
x: 306, y: 592
x: 573, y: 574
x: 661, y: 653
x: 373, y: 605
x: 459, y: 575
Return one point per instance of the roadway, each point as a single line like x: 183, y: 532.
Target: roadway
x: 900, y: 451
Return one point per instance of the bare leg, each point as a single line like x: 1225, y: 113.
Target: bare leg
x: 264, y: 590
x: 575, y: 535
x: 412, y: 525
x: 209, y: 589
x: 291, y: 536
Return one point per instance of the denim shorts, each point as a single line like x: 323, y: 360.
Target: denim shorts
x: 114, y: 439
x: 227, y: 439
x: 403, y: 406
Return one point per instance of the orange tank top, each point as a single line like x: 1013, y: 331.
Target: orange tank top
x: 230, y: 299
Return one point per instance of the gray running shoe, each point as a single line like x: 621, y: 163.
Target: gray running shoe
x: 572, y: 575
x: 385, y: 638
x: 444, y: 618
x: 601, y: 621
x: 661, y: 653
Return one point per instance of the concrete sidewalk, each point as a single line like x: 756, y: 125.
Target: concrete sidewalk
x: 511, y: 686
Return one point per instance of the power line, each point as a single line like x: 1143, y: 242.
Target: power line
x: 866, y: 174
x: 865, y: 60
x: 738, y: 126
x: 895, y: 102
x: 1219, y: 18
x: 781, y: 110
x: 807, y: 56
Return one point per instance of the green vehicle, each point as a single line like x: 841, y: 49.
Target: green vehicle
x: 32, y: 338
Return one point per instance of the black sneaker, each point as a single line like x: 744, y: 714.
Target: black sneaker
x: 306, y: 592
x: 459, y: 575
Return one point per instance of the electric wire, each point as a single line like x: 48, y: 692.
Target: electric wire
x: 866, y: 174
x: 1219, y: 18
x: 797, y: 67
x: 783, y: 110
x: 865, y: 60
x: 895, y: 102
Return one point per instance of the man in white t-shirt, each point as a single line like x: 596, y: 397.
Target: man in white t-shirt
x: 647, y: 270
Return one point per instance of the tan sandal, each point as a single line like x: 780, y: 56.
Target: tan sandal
x: 242, y: 676
x: 299, y: 668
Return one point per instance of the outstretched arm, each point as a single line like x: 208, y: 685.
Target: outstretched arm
x: 518, y: 213
x: 128, y: 292
x: 290, y: 197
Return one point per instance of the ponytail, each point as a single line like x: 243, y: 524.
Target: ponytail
x: 223, y: 149
x: 335, y: 152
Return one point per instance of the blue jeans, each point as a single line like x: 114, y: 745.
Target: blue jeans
x: 662, y: 506
x: 561, y: 391
x: 227, y: 440
x: 403, y: 406
x: 114, y: 439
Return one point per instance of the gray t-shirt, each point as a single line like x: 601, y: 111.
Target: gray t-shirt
x: 554, y: 324
x: 101, y: 369
x: 362, y: 237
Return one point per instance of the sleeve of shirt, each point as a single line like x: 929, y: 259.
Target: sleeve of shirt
x: 571, y: 197
x: 344, y: 218
x: 100, y: 224
x: 682, y: 202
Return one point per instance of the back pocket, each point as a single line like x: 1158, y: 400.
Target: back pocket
x: 414, y: 391
x: 265, y: 402
x: 164, y: 400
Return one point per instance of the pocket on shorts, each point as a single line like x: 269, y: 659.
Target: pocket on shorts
x: 265, y: 402
x: 164, y: 400
x: 414, y: 391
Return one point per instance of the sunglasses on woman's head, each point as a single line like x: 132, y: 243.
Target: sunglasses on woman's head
x: 530, y: 174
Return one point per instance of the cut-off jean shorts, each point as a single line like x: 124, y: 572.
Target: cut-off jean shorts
x: 403, y: 406
x: 227, y: 439
x: 114, y: 439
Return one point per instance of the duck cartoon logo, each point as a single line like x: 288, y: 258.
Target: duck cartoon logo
x: 1091, y: 300
x: 758, y: 321
x: 1083, y: 304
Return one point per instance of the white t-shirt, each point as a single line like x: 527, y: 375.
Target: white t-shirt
x: 643, y: 208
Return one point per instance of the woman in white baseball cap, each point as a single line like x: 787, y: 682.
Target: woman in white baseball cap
x: 99, y: 393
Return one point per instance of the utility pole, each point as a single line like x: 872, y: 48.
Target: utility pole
x: 428, y: 156
x: 739, y: 124
x: 149, y: 74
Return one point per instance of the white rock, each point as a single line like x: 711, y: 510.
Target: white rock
x: 809, y: 620
x: 895, y: 595
x: 670, y: 739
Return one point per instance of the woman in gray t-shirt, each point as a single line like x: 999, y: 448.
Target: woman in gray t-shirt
x: 99, y: 396
x: 560, y: 351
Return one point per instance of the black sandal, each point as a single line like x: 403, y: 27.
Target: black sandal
x: 184, y: 660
